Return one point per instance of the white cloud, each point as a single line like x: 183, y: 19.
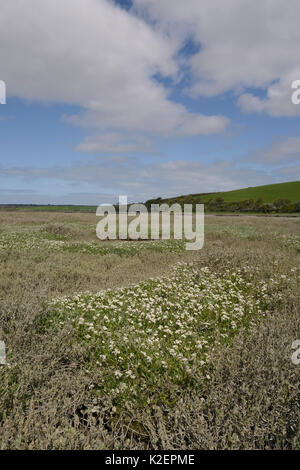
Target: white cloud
x: 279, y: 153
x: 143, y: 181
x: 115, y: 143
x: 243, y: 44
x: 98, y: 56
x: 278, y: 100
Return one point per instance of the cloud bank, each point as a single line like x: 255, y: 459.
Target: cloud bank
x: 96, y: 55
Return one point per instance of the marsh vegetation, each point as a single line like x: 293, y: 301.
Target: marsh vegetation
x: 140, y: 345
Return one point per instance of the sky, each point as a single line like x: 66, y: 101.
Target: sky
x: 146, y: 98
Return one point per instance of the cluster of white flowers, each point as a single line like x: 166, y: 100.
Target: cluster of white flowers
x: 291, y: 241
x: 164, y: 330
x: 26, y: 240
x: 18, y: 241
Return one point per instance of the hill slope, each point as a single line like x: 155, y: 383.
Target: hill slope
x: 267, y: 195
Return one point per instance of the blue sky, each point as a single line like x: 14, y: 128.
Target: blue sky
x: 146, y: 99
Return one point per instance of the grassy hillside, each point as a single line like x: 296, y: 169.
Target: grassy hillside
x: 269, y: 193
x: 284, y: 195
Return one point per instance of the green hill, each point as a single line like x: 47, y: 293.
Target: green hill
x: 268, y: 193
x: 280, y: 197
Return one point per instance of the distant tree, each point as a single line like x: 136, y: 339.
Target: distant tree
x: 267, y: 207
x: 296, y: 206
x: 282, y: 205
x: 259, y: 205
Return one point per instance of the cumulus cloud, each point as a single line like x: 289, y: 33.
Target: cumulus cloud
x: 96, y: 55
x: 242, y: 44
x: 106, y: 60
x: 278, y: 100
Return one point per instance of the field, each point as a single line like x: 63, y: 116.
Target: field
x: 144, y: 345
x: 47, y: 208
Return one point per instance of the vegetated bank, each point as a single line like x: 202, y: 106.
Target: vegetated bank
x: 272, y: 198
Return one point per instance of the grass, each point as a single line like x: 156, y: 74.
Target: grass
x: 147, y: 348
